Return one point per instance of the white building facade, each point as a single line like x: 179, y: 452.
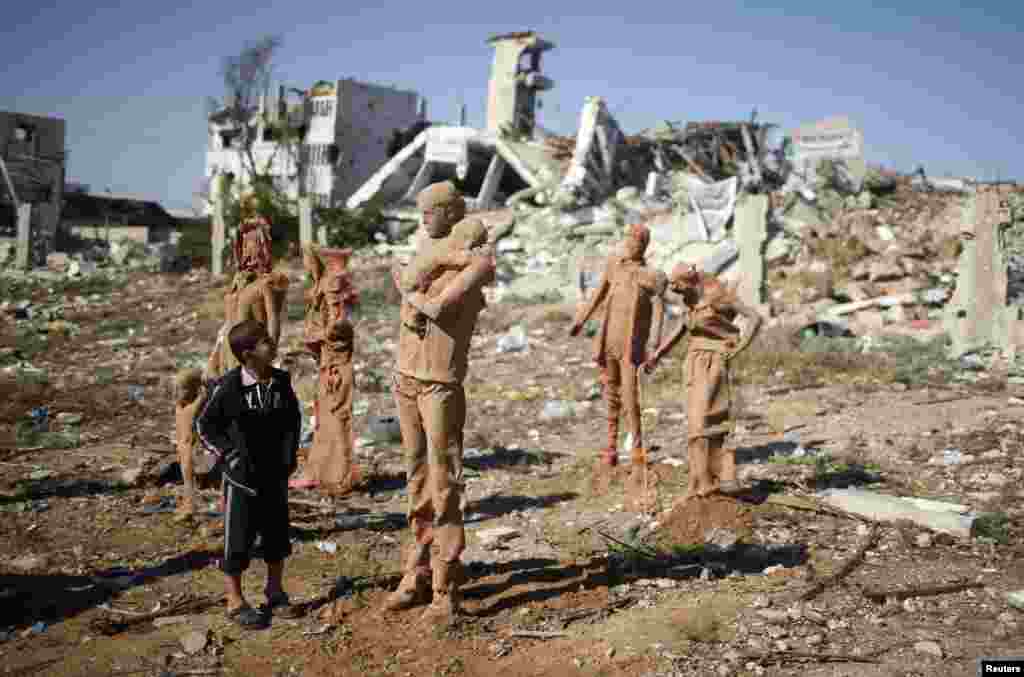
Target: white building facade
x: 345, y: 125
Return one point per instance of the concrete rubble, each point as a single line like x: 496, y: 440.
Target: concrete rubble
x: 814, y: 232
x: 935, y: 515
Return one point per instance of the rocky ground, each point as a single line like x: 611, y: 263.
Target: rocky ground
x: 96, y: 579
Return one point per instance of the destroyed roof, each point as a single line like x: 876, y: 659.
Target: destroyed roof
x: 119, y: 209
x: 530, y: 36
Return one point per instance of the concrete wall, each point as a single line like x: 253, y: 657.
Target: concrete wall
x: 367, y: 114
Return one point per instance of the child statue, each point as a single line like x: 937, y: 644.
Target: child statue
x: 714, y: 341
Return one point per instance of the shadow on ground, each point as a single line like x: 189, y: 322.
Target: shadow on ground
x: 55, y: 488
x: 500, y: 457
x: 497, y: 505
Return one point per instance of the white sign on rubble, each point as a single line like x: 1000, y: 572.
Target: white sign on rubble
x: 714, y: 203
x: 829, y: 139
x: 449, y: 145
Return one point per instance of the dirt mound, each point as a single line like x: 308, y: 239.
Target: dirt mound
x: 689, y: 522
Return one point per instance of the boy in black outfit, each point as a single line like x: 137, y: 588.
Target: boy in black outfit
x: 251, y: 422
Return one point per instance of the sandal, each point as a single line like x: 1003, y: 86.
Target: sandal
x: 279, y: 605
x: 247, y: 617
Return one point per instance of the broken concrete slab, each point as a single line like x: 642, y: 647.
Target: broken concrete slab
x: 591, y: 173
x: 933, y: 515
x: 750, y: 230
x: 714, y: 202
x: 496, y: 536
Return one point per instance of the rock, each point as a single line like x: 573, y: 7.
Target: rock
x: 132, y: 476
x: 514, y: 341
x: 77, y: 268
x: 928, y: 648
x: 773, y: 616
x: 490, y: 538
x: 881, y: 270
x: 1016, y: 599
x: 923, y: 540
x: 67, y: 418
x: 556, y: 409
x: 195, y: 641
x: 28, y: 563
x: 885, y: 233
x: 725, y: 539
x: 170, y: 620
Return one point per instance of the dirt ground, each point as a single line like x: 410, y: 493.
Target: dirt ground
x: 96, y: 578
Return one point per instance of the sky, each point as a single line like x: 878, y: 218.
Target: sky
x: 931, y: 83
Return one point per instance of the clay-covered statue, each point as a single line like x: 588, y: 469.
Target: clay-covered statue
x: 256, y: 292
x: 437, y: 324
x: 329, y: 334
x: 633, y: 297
x: 714, y: 340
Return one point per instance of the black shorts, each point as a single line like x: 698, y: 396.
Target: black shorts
x: 245, y: 516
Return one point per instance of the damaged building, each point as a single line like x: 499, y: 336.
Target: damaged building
x: 32, y: 169
x: 344, y: 128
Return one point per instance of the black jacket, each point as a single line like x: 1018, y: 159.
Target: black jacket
x: 254, y: 431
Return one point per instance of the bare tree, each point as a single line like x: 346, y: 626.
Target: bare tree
x: 247, y: 78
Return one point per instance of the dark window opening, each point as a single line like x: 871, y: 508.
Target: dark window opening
x: 333, y: 153
x: 24, y: 133
x: 269, y: 134
x: 227, y: 138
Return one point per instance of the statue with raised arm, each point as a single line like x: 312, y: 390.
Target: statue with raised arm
x: 714, y: 340
x: 633, y: 296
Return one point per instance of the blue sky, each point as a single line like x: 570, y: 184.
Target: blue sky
x: 931, y: 83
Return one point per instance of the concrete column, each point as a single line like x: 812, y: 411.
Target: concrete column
x: 305, y: 220
x: 988, y: 302
x: 491, y: 181
x: 23, y: 258
x: 217, y: 237
x: 423, y: 177
x: 750, y: 230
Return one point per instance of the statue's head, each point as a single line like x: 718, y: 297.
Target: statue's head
x: 686, y: 280
x: 442, y: 206
x: 469, y: 233
x: 638, y: 236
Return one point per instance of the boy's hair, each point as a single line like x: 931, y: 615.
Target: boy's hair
x: 244, y: 336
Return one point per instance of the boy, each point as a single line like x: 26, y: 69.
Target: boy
x: 251, y: 422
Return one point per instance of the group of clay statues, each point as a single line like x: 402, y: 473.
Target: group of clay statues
x: 441, y: 299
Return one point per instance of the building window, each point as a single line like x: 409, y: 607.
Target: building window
x: 24, y: 141
x: 323, y: 108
